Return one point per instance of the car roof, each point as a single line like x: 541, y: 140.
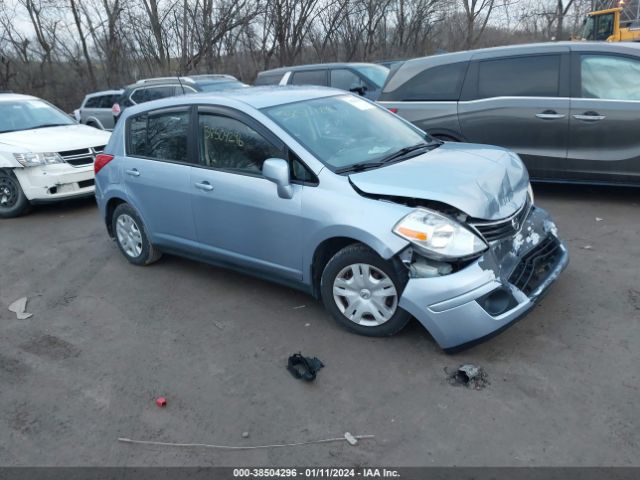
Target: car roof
x: 186, y: 80
x: 254, y: 97
x: 103, y: 92
x: 12, y: 97
x: 412, y: 67
x: 316, y: 66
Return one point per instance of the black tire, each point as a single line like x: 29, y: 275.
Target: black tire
x: 129, y: 247
x: 13, y: 201
x: 360, y: 254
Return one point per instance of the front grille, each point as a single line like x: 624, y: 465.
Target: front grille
x: 535, y: 265
x: 508, y: 227
x: 81, y: 157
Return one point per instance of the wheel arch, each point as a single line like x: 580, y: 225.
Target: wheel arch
x: 331, y: 245
x: 111, y: 206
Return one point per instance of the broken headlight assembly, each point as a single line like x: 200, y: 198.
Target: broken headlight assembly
x: 439, y: 237
x: 37, y: 159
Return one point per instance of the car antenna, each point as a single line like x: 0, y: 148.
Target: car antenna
x: 181, y: 85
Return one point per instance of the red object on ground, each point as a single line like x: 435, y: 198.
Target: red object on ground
x: 161, y: 402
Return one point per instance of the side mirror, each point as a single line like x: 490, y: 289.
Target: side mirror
x: 359, y: 89
x: 276, y: 170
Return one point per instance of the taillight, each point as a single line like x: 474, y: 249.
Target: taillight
x: 101, y: 160
x: 115, y: 109
x: 393, y: 110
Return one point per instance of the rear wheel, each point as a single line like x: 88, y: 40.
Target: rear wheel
x: 13, y: 201
x: 362, y: 291
x: 131, y: 236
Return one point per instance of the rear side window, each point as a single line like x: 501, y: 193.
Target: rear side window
x: 93, y: 102
x: 310, y: 77
x: 345, y: 79
x: 610, y: 77
x: 268, y: 79
x: 160, y: 136
x: 153, y: 93
x: 531, y: 76
x: 438, y: 83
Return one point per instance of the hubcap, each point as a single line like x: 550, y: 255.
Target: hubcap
x: 129, y: 236
x: 8, y: 192
x: 365, y: 294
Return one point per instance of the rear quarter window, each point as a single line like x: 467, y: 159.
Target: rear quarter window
x: 310, y: 77
x: 442, y: 83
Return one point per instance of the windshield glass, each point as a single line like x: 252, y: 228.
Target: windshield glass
x: 377, y: 74
x: 587, y: 29
x: 345, y: 130
x: 27, y: 114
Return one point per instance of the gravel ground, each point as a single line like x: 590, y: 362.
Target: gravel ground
x: 106, y: 338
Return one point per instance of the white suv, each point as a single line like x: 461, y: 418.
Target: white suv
x: 44, y: 154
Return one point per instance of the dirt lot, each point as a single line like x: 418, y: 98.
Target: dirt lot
x: 107, y: 337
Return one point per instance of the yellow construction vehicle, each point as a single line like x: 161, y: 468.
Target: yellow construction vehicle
x: 608, y: 26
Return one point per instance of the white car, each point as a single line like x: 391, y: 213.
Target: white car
x: 45, y: 155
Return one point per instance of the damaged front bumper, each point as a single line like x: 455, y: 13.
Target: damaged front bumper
x: 496, y: 290
x: 54, y: 182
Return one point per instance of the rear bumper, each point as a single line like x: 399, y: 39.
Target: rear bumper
x: 55, y: 182
x: 486, y: 297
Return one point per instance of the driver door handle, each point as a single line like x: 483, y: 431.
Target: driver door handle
x: 550, y: 115
x: 133, y: 172
x: 206, y: 186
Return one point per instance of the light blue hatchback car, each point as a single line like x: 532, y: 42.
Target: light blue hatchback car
x: 328, y: 192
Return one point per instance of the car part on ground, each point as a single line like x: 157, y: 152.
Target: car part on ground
x: 332, y: 194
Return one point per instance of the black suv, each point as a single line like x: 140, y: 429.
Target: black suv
x: 163, y: 87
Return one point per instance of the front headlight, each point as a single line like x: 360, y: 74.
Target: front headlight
x: 438, y: 236
x: 37, y: 159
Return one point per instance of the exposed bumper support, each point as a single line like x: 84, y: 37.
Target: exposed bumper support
x: 451, y: 307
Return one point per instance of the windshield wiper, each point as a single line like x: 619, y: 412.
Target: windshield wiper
x: 394, y: 157
x: 50, y: 125
x: 403, y: 152
x: 359, y: 167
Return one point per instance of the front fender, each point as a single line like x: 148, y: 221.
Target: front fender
x: 8, y: 161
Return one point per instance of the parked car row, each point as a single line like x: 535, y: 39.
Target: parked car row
x: 349, y: 199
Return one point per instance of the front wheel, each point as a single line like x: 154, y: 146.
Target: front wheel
x: 131, y: 236
x: 13, y: 201
x: 362, y: 291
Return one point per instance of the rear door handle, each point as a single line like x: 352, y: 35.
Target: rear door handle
x: 550, y: 115
x: 206, y: 186
x: 133, y: 172
x: 590, y: 117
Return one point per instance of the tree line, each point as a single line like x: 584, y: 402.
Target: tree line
x: 62, y: 49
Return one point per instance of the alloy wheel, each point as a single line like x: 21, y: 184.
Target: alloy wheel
x: 8, y: 192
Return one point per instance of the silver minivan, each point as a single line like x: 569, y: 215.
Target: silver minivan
x: 330, y: 193
x: 569, y: 109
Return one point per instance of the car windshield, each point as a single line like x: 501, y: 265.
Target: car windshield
x: 217, y: 86
x: 345, y: 130
x: 28, y: 114
x: 375, y: 73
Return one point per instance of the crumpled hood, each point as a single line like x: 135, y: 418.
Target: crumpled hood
x: 54, y: 139
x: 484, y: 182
